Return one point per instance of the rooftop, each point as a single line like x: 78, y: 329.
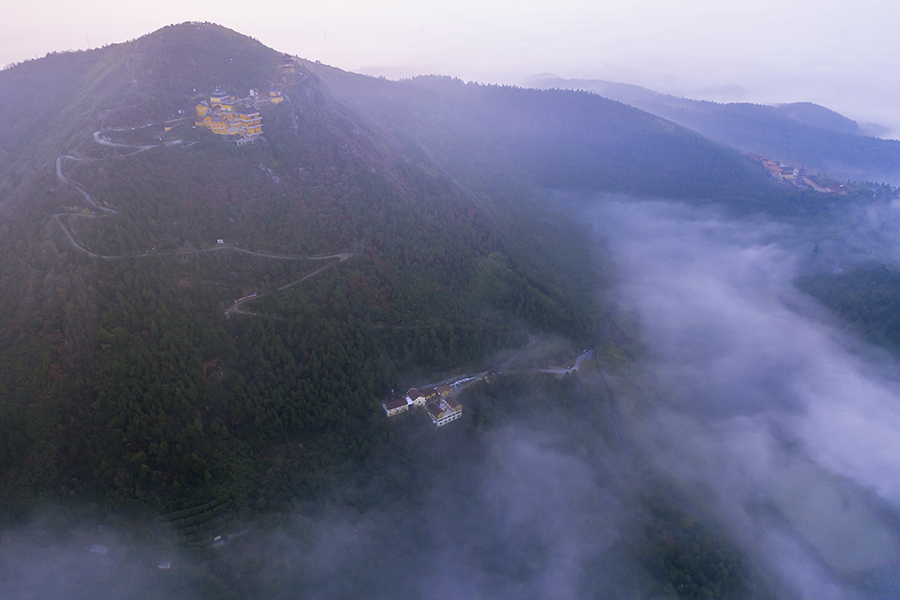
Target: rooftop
x: 396, y: 403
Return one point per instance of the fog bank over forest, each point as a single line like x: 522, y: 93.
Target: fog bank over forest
x: 788, y: 425
x: 767, y: 433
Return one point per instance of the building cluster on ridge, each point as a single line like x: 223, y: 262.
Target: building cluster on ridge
x: 796, y: 176
x: 438, y: 402
x: 779, y: 170
x: 226, y: 114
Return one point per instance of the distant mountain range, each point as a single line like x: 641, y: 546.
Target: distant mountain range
x: 802, y: 134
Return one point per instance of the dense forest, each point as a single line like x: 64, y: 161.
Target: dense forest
x: 125, y: 381
x: 867, y: 297
x: 124, y: 377
x: 196, y: 336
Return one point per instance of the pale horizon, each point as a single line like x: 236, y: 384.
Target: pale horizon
x: 768, y: 52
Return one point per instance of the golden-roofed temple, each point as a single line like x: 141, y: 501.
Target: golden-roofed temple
x: 225, y: 114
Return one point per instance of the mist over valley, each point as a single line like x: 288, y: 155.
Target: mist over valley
x: 677, y: 374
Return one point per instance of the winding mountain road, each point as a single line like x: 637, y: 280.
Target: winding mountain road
x: 217, y: 248
x: 72, y: 238
x: 236, y: 307
x: 105, y: 142
x: 64, y: 179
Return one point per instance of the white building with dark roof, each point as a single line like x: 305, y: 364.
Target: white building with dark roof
x: 444, y: 410
x: 438, y: 403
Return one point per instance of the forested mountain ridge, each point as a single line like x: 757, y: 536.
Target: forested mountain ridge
x: 552, y: 139
x: 123, y: 380
x: 802, y: 134
x: 121, y: 377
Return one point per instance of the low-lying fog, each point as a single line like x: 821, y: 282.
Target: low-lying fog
x: 789, y: 426
x: 778, y: 430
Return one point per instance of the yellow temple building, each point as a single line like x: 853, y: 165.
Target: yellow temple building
x: 225, y: 114
x: 287, y: 64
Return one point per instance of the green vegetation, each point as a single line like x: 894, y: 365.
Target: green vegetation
x: 124, y: 383
x: 165, y: 401
x: 679, y: 556
x: 867, y: 297
x: 195, y: 526
x: 687, y: 559
x: 555, y: 139
x: 154, y: 400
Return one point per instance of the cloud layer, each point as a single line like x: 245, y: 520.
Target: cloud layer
x: 791, y: 427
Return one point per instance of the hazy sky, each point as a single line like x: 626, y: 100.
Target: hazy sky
x: 837, y: 53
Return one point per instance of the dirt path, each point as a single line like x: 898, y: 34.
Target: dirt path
x: 223, y: 247
x: 236, y: 307
x: 586, y: 355
x: 342, y: 256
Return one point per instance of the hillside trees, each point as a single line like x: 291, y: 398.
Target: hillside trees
x: 167, y: 402
x: 154, y: 396
x: 867, y: 297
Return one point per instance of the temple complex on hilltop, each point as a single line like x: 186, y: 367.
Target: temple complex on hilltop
x: 226, y: 114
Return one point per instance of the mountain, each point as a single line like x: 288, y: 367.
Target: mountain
x: 818, y: 116
x: 198, y: 331
x: 550, y: 139
x: 180, y: 313
x: 801, y: 134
